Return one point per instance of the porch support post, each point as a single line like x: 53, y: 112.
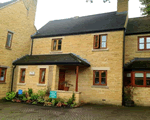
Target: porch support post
x: 77, y: 71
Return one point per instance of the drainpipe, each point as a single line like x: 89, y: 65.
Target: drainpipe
x: 31, y: 46
x: 13, y: 77
x: 123, y: 68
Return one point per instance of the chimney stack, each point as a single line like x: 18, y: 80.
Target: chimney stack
x: 122, y: 6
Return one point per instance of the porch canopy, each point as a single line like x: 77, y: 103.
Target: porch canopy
x: 138, y: 64
x: 52, y: 59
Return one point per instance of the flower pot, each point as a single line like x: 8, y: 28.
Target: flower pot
x: 66, y: 88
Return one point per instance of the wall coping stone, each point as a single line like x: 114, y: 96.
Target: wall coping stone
x: 21, y: 84
x: 41, y: 84
x: 97, y: 50
x: 99, y: 86
x: 63, y: 91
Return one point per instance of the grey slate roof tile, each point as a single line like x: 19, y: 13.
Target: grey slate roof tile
x: 52, y: 59
x: 138, y: 64
x: 138, y: 25
x: 80, y: 25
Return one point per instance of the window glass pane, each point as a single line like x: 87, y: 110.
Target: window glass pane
x: 141, y: 40
x: 139, y: 75
x: 96, y: 80
x: 141, y: 46
x: 148, y: 46
x: 148, y: 39
x: 59, y: 47
x: 147, y: 75
x: 54, y: 46
x: 96, y: 41
x: 23, y: 75
x: 103, y: 38
x: 103, y: 44
x: 103, y: 81
x: 139, y: 81
x: 97, y: 74
x: 8, y: 39
x: 147, y: 82
x: 128, y: 74
x: 43, y: 76
x: 59, y: 42
x: 103, y: 74
x: 2, y: 75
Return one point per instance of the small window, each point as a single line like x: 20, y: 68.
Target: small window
x: 139, y: 78
x: 100, y: 42
x: 22, y: 75
x: 9, y: 40
x: 99, y: 77
x: 42, y: 75
x: 2, y: 74
x: 56, y: 44
x: 144, y: 43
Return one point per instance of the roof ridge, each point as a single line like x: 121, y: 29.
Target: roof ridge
x: 82, y: 16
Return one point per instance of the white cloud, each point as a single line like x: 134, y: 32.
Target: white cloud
x: 2, y: 1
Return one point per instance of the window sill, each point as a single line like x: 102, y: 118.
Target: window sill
x: 56, y: 52
x: 21, y: 84
x: 99, y: 86
x: 142, y: 51
x: 2, y: 82
x: 97, y: 50
x: 8, y: 48
x: 42, y: 85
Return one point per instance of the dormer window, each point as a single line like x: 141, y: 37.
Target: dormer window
x: 56, y: 44
x: 100, y: 42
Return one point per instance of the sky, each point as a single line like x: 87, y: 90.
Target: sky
x: 48, y: 10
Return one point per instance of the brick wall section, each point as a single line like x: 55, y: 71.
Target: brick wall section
x: 32, y: 81
x: 131, y: 48
x: 141, y: 94
x: 14, y: 18
x: 82, y: 45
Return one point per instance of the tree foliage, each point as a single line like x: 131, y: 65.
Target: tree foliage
x: 146, y: 8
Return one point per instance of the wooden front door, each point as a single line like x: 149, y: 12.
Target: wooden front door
x: 61, y: 79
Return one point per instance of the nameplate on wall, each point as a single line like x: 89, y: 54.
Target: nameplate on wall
x: 32, y: 73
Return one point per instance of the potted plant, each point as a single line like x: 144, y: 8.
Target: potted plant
x: 128, y: 96
x: 67, y: 84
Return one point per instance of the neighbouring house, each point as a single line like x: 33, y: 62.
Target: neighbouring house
x: 98, y: 54
x: 16, y: 27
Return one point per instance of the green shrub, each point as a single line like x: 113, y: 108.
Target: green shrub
x: 72, y: 105
x: 41, y: 100
x: 30, y: 92
x: 34, y: 96
x: 24, y: 99
x: 34, y: 103
x: 70, y: 101
x: 49, y: 100
x: 42, y: 93
x: 10, y: 95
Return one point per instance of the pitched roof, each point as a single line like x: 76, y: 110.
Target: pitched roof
x: 7, y: 3
x: 138, y: 64
x: 138, y: 25
x: 80, y: 25
x: 52, y: 59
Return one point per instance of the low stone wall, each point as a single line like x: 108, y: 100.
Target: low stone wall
x: 68, y: 94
